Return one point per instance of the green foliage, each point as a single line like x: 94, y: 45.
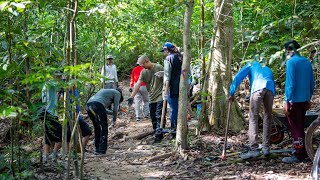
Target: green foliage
x: 33, y: 47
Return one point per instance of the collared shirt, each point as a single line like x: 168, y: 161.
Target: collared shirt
x: 107, y: 97
x: 259, y: 77
x: 299, y: 80
x: 110, y: 72
x: 135, y: 74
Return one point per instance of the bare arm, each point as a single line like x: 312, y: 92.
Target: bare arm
x: 135, y: 89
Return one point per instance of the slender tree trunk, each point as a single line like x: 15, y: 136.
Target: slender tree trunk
x: 204, y: 123
x: 220, y: 68
x: 27, y: 60
x: 181, y: 138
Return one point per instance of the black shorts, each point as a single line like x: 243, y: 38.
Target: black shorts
x: 84, y: 127
x: 53, y: 129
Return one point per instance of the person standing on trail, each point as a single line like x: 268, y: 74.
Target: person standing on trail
x: 262, y: 92
x: 53, y: 129
x: 142, y: 94
x: 109, y: 71
x: 172, y: 72
x: 154, y: 82
x: 97, y: 111
x: 299, y: 89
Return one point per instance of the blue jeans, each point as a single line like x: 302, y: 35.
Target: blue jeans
x: 173, y: 102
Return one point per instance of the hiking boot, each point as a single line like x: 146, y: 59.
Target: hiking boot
x: 266, y: 151
x: 250, y: 154
x: 291, y: 159
x: 158, y: 138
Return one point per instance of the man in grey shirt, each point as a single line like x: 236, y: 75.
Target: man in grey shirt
x: 97, y: 110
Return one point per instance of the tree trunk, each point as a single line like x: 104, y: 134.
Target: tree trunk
x: 181, y: 138
x: 220, y: 68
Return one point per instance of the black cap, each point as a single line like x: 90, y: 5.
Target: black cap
x: 292, y: 45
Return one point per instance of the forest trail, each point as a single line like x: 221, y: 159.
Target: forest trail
x: 127, y: 157
x: 130, y: 158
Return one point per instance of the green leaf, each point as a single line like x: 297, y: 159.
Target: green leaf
x: 18, y: 5
x: 3, y: 5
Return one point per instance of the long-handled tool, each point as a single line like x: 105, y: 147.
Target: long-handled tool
x: 223, y: 156
x: 164, y: 107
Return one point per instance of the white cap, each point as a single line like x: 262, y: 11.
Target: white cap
x: 109, y: 57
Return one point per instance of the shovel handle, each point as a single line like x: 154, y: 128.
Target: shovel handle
x: 164, y: 106
x: 226, y: 132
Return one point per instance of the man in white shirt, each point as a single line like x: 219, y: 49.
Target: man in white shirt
x: 109, y: 71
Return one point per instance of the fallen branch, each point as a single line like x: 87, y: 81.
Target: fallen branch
x: 140, y: 136
x: 161, y: 156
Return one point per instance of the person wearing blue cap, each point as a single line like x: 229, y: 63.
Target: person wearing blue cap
x: 172, y: 72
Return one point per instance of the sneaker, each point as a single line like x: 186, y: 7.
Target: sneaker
x: 266, y: 151
x: 291, y: 159
x: 250, y: 154
x: 139, y: 118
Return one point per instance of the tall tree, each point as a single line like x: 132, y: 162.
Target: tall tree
x: 220, y: 67
x: 181, y: 139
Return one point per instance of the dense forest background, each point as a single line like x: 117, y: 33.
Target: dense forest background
x: 39, y: 38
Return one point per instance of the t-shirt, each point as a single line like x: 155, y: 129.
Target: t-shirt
x: 154, y: 83
x: 49, y: 96
x: 107, y: 97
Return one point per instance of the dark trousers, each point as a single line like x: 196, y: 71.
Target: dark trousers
x: 98, y: 116
x: 296, y: 120
x: 155, y: 115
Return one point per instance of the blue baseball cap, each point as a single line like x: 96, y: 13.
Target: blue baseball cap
x: 167, y: 45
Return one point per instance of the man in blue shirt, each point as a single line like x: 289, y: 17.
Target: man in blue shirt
x: 298, y: 92
x: 262, y: 92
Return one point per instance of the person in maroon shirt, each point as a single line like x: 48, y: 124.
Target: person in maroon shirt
x: 141, y: 110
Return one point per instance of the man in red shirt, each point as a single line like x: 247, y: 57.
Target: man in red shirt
x: 142, y: 95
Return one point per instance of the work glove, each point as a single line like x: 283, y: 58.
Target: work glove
x: 164, y: 96
x: 130, y: 90
x: 159, y: 74
x: 130, y: 101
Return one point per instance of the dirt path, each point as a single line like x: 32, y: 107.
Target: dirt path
x: 129, y: 159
